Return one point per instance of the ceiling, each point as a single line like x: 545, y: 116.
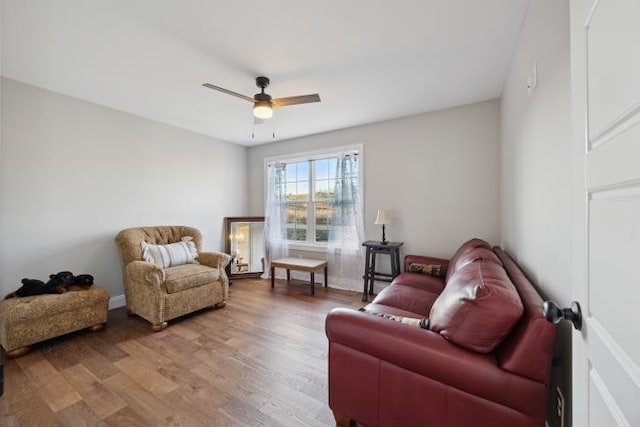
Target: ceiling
x: 370, y: 60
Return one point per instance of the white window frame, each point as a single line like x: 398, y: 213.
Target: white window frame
x: 307, y: 156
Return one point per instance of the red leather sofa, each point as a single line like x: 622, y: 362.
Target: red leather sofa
x: 484, y: 359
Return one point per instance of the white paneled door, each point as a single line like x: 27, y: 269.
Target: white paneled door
x: 605, y: 61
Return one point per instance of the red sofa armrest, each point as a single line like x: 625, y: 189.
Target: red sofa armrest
x: 419, y: 259
x: 429, y: 354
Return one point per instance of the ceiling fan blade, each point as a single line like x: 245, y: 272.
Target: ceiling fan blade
x: 295, y: 100
x: 227, y: 91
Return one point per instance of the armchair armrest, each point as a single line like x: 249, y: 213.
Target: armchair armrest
x: 217, y: 260
x: 214, y: 259
x: 419, y: 259
x: 146, y: 272
x: 429, y: 354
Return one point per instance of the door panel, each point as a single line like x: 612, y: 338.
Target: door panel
x: 605, y: 40
x: 614, y: 238
x: 603, y: 410
x: 624, y: 153
x: 613, y: 68
x: 610, y: 365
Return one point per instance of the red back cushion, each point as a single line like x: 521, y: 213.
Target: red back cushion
x: 466, y: 246
x: 473, y: 255
x: 478, y: 307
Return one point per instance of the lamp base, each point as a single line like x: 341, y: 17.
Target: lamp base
x: 384, y: 238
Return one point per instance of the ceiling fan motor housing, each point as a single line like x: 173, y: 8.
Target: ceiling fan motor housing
x: 262, y: 82
x: 262, y: 97
x: 262, y: 107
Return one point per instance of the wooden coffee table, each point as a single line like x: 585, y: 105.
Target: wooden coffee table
x: 300, y: 264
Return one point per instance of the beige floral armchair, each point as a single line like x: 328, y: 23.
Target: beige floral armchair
x: 159, y: 293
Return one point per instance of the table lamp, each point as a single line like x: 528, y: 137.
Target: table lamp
x: 384, y: 218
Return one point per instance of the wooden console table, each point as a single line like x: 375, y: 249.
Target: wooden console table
x: 370, y: 274
x: 300, y: 264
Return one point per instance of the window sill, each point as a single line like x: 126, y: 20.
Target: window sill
x: 309, y: 247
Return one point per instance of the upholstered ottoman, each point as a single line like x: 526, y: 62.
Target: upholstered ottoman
x: 28, y: 320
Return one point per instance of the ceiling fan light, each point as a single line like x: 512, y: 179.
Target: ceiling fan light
x: 263, y: 110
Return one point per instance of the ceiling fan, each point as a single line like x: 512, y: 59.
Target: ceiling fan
x: 263, y: 104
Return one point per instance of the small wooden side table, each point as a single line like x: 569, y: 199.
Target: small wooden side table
x: 370, y: 274
x: 300, y: 264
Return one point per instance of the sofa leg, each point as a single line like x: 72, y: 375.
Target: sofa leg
x: 17, y: 352
x: 341, y: 420
x: 161, y: 327
x: 220, y: 304
x: 98, y: 327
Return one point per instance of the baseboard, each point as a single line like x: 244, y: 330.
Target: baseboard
x: 117, y: 302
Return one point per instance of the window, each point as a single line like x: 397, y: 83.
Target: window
x: 308, y: 198
x: 308, y: 193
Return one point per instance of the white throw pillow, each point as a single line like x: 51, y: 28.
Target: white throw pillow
x: 170, y: 255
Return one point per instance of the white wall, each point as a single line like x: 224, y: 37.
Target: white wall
x: 438, y: 172
x: 536, y: 162
x: 74, y: 173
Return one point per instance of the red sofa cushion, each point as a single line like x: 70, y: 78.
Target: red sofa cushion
x: 466, y: 246
x: 421, y: 281
x: 406, y: 298
x: 528, y: 348
x: 478, y: 307
x: 375, y: 308
x: 473, y: 255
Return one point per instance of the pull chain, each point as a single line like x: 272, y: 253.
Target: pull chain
x: 273, y: 127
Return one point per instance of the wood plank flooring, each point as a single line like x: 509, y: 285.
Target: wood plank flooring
x: 260, y: 361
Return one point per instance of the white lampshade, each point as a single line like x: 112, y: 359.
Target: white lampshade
x: 384, y: 217
x: 263, y: 110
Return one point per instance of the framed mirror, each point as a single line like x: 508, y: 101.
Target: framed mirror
x: 245, y: 243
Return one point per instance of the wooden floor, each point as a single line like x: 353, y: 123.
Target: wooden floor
x: 260, y: 361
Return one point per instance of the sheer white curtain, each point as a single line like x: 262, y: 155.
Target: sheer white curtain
x: 275, y: 239
x: 346, y: 231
